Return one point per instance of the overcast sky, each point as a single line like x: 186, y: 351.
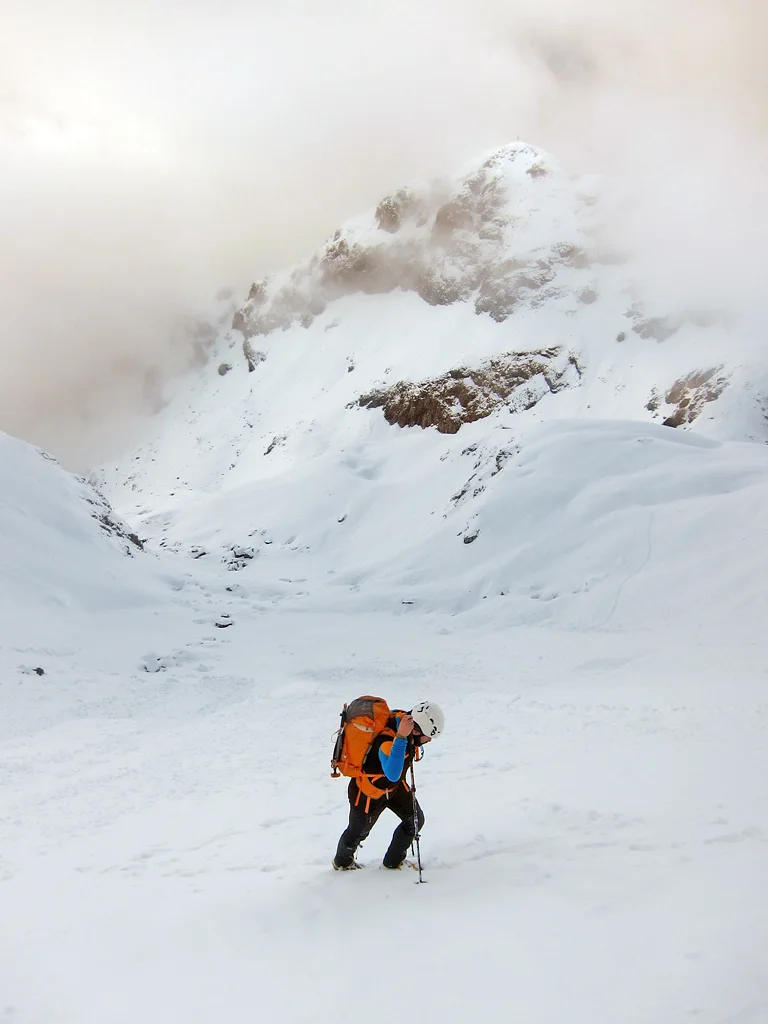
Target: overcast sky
x: 153, y: 151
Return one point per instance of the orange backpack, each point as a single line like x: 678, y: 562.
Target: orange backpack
x: 361, y: 722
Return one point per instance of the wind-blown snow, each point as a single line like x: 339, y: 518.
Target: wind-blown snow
x: 577, y: 585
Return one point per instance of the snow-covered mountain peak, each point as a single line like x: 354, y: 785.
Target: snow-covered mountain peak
x: 413, y: 360
x: 497, y: 235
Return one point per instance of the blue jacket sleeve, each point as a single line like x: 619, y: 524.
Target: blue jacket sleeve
x: 392, y: 763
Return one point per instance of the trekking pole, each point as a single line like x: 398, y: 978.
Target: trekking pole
x: 416, y: 836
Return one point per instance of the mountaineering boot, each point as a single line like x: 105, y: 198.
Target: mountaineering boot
x: 354, y: 866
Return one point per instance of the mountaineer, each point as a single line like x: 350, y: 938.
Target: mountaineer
x: 376, y: 747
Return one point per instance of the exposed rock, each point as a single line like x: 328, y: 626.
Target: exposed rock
x: 258, y: 292
x: 252, y: 356
x: 692, y: 393
x: 466, y: 395
x: 289, y: 306
x: 439, y: 289
x: 241, y: 551
x: 239, y: 556
x: 276, y: 441
x: 688, y: 396
x: 535, y: 276
x: 388, y: 215
x: 393, y: 210
x: 241, y: 320
x: 516, y: 282
x: 498, y: 298
x: 487, y: 463
x: 102, y: 512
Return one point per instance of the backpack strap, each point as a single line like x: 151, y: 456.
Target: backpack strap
x: 366, y: 788
x: 365, y: 780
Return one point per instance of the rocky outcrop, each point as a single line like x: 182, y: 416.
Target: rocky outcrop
x: 109, y: 523
x: 252, y: 355
x: 686, y: 399
x: 516, y: 379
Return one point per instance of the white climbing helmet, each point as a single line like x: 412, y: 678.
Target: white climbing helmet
x: 429, y: 718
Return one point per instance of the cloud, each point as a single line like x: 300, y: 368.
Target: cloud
x: 151, y: 153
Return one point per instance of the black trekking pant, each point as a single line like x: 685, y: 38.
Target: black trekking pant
x: 400, y: 801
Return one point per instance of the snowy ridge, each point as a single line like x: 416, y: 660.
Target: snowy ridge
x: 62, y: 543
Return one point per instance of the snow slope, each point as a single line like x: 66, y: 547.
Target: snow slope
x: 579, y: 586
x: 594, y: 847
x: 63, y: 548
